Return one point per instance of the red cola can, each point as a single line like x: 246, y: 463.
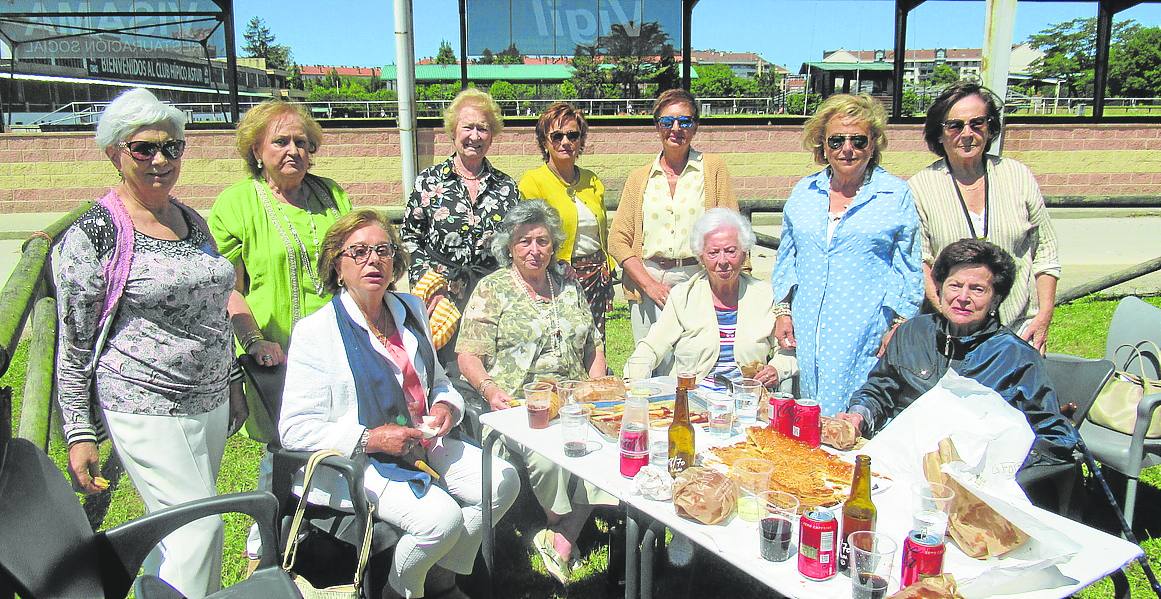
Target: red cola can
x: 781, y: 412
x: 922, y: 557
x: 817, y: 550
x: 807, y: 425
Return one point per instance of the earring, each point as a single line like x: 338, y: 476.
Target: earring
x: 259, y: 165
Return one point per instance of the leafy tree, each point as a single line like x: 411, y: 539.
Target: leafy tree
x: 567, y: 91
x: 510, y: 55
x: 911, y: 102
x: 668, y: 73
x: 587, y: 75
x: 260, y: 43
x: 1135, y: 65
x: 719, y: 81
x: 486, y: 57
x: 943, y: 75
x: 1070, y: 52
x: 769, y: 83
x: 631, y: 49
x: 794, y: 103
x: 445, y: 55
x: 502, y: 90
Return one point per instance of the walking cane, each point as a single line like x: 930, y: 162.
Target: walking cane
x: 1128, y: 530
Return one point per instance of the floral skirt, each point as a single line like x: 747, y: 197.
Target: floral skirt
x: 596, y: 280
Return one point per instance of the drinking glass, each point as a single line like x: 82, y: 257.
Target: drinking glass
x: 659, y: 443
x: 538, y: 399
x: 721, y: 413
x: 930, y: 506
x: 567, y: 390
x: 872, y: 561
x: 747, y: 395
x: 574, y: 423
x: 753, y: 478
x: 777, y: 525
x: 638, y: 369
x: 685, y: 361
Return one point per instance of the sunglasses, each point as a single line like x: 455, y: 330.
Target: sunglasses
x: 361, y: 252
x: 556, y: 136
x: 835, y: 142
x: 146, y: 150
x: 684, y: 122
x: 979, y: 123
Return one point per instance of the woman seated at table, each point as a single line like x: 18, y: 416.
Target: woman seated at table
x: 972, y: 278
x: 722, y: 318
x: 361, y: 374
x: 526, y: 321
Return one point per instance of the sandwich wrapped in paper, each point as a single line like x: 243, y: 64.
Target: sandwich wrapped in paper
x: 705, y: 495
x: 931, y: 587
x: 605, y: 388
x: 838, y: 434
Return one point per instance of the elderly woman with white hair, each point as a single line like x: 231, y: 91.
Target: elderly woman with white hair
x: 722, y: 318
x: 145, y: 345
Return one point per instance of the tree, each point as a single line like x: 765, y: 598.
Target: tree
x: 1135, y: 65
x: 502, y: 90
x: 260, y: 43
x: 632, y: 50
x: 511, y: 55
x: 587, y: 74
x: 943, y: 75
x: 1070, y: 52
x: 445, y: 55
x: 719, y: 81
x: 486, y: 57
x: 668, y: 74
x: 769, y: 83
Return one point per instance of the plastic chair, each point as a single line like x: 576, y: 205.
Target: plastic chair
x: 51, y: 551
x: 1134, y: 321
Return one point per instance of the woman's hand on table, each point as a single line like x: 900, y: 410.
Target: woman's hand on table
x: 266, y: 353
x: 85, y: 467
x: 442, y: 419
x: 784, y: 332
x: 393, y: 439
x: 768, y: 376
x: 497, y: 399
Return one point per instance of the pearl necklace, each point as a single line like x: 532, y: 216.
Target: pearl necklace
x: 558, y: 335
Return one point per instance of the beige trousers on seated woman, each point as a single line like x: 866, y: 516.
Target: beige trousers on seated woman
x: 173, y: 460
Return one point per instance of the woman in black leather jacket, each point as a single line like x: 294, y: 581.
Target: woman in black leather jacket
x: 972, y: 277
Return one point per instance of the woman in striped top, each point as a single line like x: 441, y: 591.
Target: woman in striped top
x: 968, y: 194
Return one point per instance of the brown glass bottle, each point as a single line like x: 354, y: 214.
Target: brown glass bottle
x: 681, y: 447
x: 859, y: 511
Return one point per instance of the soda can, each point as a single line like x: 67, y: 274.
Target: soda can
x: 807, y: 426
x: 817, y: 550
x: 781, y: 412
x: 922, y: 557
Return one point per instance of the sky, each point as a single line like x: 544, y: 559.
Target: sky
x: 785, y: 32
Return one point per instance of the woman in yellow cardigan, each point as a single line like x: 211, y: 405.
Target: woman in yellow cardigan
x: 579, y: 197
x: 668, y: 195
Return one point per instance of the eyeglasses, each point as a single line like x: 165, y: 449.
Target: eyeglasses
x: 556, y: 136
x: 146, y: 150
x: 835, y: 142
x: 684, y: 122
x: 979, y: 123
x: 361, y: 252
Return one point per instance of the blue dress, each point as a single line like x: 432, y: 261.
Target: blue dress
x: 847, y: 291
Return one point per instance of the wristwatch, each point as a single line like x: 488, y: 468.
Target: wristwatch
x: 361, y: 446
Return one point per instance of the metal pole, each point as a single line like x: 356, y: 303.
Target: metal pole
x: 999, y: 22
x: 686, y: 42
x: 1101, y: 68
x: 231, y: 59
x: 902, y: 7
x: 463, y: 45
x: 405, y: 77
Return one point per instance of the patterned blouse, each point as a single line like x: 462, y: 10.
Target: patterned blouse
x: 518, y: 339
x: 445, y: 230
x: 170, y: 346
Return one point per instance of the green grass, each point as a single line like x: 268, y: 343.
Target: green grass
x: 1078, y: 329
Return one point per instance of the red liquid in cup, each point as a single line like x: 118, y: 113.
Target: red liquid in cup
x: 537, y: 417
x: 634, y: 449
x: 775, y: 544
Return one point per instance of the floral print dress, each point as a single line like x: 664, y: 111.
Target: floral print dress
x: 443, y: 229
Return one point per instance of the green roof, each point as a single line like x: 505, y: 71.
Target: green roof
x: 851, y: 66
x: 492, y: 72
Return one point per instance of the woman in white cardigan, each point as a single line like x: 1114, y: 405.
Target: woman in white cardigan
x: 362, y: 378
x: 721, y: 319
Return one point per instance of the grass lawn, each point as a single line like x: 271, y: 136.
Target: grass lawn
x: 1078, y: 329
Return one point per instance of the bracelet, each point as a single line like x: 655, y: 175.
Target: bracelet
x: 781, y: 309
x: 254, y: 337
x: 484, y: 385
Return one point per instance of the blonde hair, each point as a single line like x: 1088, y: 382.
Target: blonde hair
x: 861, y: 108
x: 252, y: 128
x: 332, y: 246
x: 479, y: 100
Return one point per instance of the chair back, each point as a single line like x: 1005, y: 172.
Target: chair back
x: 49, y: 548
x: 1077, y: 382
x: 1134, y: 322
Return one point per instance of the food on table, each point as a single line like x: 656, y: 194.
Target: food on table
x: 705, y: 495
x: 605, y: 388
x: 935, y: 587
x: 750, y: 369
x: 839, y: 434
x: 608, y: 419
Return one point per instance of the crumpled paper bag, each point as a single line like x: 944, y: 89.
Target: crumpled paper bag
x: 837, y: 433
x: 653, y: 482
x: 933, y: 587
x: 705, y: 495
x: 992, y: 439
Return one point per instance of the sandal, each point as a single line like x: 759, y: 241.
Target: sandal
x: 553, y: 562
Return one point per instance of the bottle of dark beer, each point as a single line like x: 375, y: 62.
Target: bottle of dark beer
x: 859, y: 512
x: 681, y: 450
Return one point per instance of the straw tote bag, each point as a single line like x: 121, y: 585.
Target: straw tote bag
x: 343, y: 591
x: 1116, y: 404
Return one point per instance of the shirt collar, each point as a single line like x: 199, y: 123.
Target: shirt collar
x: 694, y: 163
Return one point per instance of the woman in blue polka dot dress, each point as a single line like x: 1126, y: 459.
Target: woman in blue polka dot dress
x: 849, y: 266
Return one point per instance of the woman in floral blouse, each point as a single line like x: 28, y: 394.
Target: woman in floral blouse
x: 458, y: 204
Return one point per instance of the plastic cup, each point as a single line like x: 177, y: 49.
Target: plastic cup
x: 872, y: 561
x: 930, y: 507
x: 777, y: 525
x: 659, y: 444
x: 574, y: 424
x: 747, y: 396
x: 753, y: 478
x: 538, y: 399
x: 567, y: 390
x: 638, y: 369
x: 721, y: 413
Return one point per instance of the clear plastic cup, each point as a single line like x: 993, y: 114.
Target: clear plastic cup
x: 930, y: 506
x: 574, y: 424
x: 638, y: 369
x: 538, y: 400
x: 753, y: 478
x: 747, y: 395
x: 567, y: 391
x: 872, y: 561
x: 721, y: 413
x: 659, y: 443
x: 777, y: 525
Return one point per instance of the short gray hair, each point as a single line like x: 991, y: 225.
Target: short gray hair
x: 527, y: 212
x: 716, y: 218
x: 132, y: 110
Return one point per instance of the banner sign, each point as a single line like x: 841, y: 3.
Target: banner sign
x: 147, y: 69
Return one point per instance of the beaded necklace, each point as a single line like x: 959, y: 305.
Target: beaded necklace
x: 556, y: 336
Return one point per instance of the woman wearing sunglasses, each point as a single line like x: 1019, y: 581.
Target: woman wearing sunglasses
x: 578, y: 196
x: 848, y: 268
x: 145, y: 345
x: 968, y: 194
x: 668, y: 195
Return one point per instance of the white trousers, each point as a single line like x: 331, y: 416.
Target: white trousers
x: 173, y: 460
x: 643, y: 313
x: 444, y: 526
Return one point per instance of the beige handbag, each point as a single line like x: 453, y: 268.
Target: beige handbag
x: 1116, y: 404
x: 342, y: 591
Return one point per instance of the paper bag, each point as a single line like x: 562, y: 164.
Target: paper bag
x: 933, y: 587
x: 705, y: 495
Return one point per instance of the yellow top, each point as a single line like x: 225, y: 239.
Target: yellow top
x: 669, y: 219
x: 542, y: 183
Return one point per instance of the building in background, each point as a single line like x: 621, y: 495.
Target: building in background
x: 743, y: 64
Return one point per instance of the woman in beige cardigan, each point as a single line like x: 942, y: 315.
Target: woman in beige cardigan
x: 722, y: 319
x: 667, y: 195
x: 968, y: 194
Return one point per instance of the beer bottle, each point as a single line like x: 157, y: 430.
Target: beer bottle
x: 681, y: 450
x: 858, y: 512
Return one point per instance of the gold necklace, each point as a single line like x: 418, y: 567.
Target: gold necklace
x: 558, y: 335
x: 375, y: 330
